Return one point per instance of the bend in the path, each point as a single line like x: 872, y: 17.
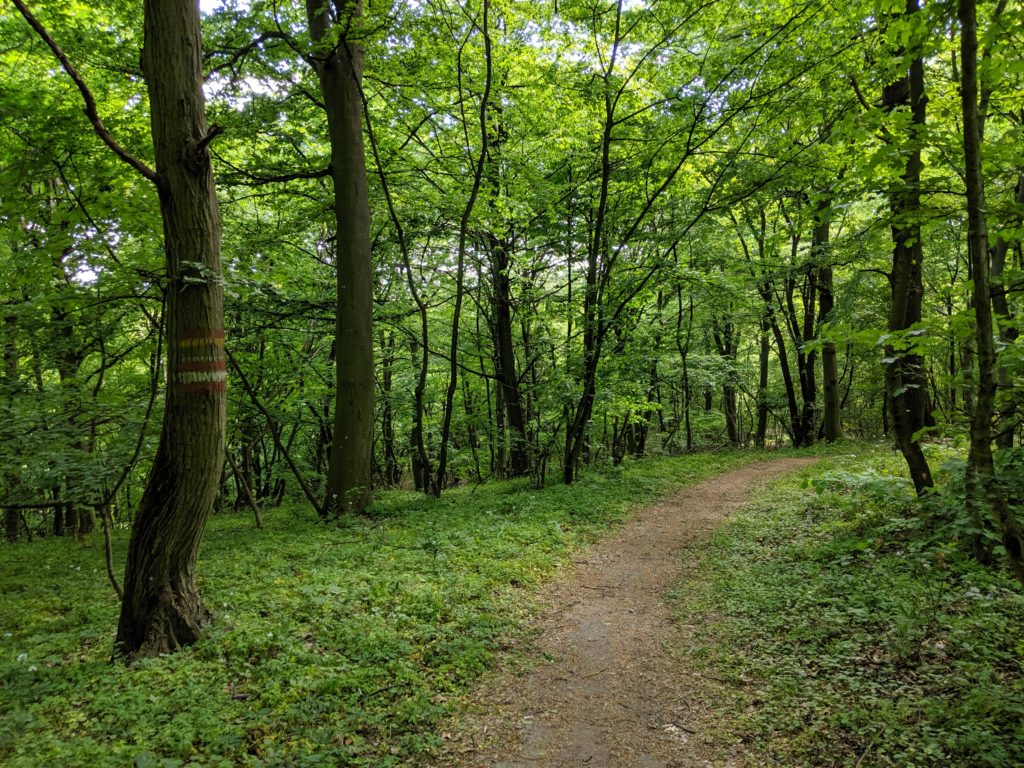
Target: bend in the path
x: 610, y: 693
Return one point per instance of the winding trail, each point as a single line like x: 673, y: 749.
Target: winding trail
x: 608, y: 691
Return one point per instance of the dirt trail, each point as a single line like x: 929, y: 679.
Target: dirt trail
x: 610, y: 693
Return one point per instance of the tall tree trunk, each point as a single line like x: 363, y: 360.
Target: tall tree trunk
x: 576, y: 429
x: 12, y: 516
x: 905, y: 381
x: 338, y: 61
x: 982, y: 486
x: 831, y: 418
x: 684, y: 349
x: 420, y: 459
x: 787, y: 374
x: 12, y: 524
x: 653, y: 385
x: 500, y: 252
x: 453, y: 372
x: 762, y: 383
x: 501, y: 434
x: 801, y: 332
x: 726, y: 339
x: 505, y: 356
x: 472, y: 438
x: 1008, y: 332
x: 392, y: 472
x: 162, y: 609
x: 593, y: 332
x: 770, y: 321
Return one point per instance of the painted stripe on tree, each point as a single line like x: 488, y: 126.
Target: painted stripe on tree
x: 201, y: 365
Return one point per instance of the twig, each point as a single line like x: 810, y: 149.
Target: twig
x: 863, y: 755
x: 275, y: 436
x: 108, y: 550
x: 246, y: 492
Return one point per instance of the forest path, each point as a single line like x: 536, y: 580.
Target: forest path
x: 608, y: 691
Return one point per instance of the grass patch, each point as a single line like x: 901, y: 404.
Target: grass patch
x: 332, y: 645
x: 847, y: 634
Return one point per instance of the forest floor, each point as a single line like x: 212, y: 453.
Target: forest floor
x: 607, y: 687
x: 672, y: 611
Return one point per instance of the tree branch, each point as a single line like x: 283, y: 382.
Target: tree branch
x: 90, y: 102
x: 254, y: 180
x: 306, y: 490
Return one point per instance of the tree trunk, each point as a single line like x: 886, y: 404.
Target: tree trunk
x: 499, y: 250
x: 831, y: 418
x: 245, y: 491
x: 801, y: 331
x: 438, y: 481
x: 726, y: 339
x: 420, y: 459
x: 787, y: 375
x: 1008, y: 332
x: 762, y: 384
x: 593, y: 332
x: 904, y: 371
x: 982, y: 486
x: 70, y: 519
x: 505, y: 359
x: 684, y: 350
x: 338, y: 61
x: 162, y: 609
x: 12, y: 524
x: 392, y: 471
x: 12, y: 516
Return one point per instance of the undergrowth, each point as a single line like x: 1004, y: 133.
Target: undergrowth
x: 340, y: 645
x: 850, y: 628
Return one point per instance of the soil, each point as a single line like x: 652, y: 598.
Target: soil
x: 607, y: 690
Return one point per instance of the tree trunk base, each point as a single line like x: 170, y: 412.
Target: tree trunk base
x: 175, y: 621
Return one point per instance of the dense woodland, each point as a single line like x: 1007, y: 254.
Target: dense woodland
x: 428, y: 244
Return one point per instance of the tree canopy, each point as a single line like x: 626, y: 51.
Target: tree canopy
x: 494, y: 239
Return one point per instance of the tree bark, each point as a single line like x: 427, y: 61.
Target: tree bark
x: 831, y: 417
x: 392, y: 470
x: 338, y: 61
x: 576, y: 429
x: 905, y: 382
x: 162, y: 609
x: 801, y: 332
x: 726, y: 338
x: 762, y: 383
x: 1008, y: 332
x: 683, y: 346
x: 420, y: 459
x: 437, y: 483
x: 984, y: 494
x: 500, y: 252
x: 505, y: 357
x: 245, y: 491
x: 12, y: 516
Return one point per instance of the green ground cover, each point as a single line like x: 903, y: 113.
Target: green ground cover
x: 849, y: 628
x: 332, y: 645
